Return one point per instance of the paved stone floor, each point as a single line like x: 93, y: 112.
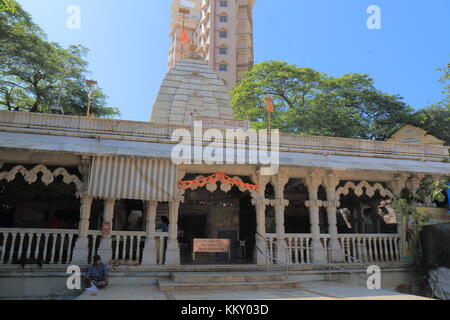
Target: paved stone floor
x: 317, y: 290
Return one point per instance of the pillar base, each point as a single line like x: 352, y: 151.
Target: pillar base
x: 260, y: 256
x: 80, y: 252
x: 318, y: 253
x: 149, y: 253
x: 337, y: 254
x: 105, y: 250
x: 172, y: 253
x: 280, y: 251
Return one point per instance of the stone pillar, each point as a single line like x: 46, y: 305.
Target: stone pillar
x: 280, y: 204
x: 149, y: 253
x: 105, y: 249
x: 173, y: 248
x: 396, y: 186
x: 81, y: 249
x: 280, y: 250
x: 331, y: 181
x: 260, y: 203
x: 313, y: 181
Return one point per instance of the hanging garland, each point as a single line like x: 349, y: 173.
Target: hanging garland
x: 219, y: 176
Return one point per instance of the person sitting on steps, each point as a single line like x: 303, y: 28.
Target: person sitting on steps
x: 97, y: 274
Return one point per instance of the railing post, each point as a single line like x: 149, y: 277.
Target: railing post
x: 149, y: 253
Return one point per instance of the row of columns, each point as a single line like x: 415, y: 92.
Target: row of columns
x: 330, y: 181
x: 312, y: 181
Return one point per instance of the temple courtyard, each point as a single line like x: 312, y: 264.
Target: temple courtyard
x: 313, y: 290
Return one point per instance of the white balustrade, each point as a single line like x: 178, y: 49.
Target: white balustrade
x: 128, y: 245
x: 51, y: 246
x: 298, y: 246
x: 94, y: 237
x: 355, y: 247
x: 370, y: 247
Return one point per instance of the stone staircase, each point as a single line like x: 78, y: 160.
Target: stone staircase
x: 226, y: 281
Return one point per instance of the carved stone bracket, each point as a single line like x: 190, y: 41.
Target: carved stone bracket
x: 398, y: 184
x: 413, y: 183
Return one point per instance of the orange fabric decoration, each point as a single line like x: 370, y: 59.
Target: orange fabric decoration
x: 184, y: 37
x: 219, y: 176
x: 269, y: 104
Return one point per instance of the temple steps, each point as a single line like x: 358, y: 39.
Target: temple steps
x: 230, y: 281
x: 221, y: 277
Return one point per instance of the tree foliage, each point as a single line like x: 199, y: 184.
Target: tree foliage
x: 32, y: 71
x: 7, y: 5
x: 310, y: 102
x: 436, y: 118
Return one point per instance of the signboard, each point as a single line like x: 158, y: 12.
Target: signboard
x: 413, y: 140
x: 106, y: 230
x: 223, y: 124
x: 211, y: 245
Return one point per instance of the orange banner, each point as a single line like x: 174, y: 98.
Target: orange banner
x: 219, y: 176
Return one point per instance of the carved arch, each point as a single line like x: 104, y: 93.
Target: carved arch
x: 48, y: 177
x: 364, y: 188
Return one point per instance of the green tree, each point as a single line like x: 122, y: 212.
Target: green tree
x: 32, y: 72
x: 7, y: 5
x: 310, y: 102
x: 436, y: 118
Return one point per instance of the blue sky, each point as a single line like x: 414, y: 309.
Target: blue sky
x: 128, y: 42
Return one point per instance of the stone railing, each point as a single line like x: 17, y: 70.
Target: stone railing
x: 34, y: 246
x: 127, y: 245
x: 356, y: 248
x: 94, y: 237
x: 298, y: 246
x: 370, y: 247
x: 152, y: 132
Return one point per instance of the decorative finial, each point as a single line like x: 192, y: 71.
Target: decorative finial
x: 192, y: 47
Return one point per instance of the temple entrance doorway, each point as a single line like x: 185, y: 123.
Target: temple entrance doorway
x: 217, y: 215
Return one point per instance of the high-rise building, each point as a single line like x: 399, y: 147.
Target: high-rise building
x: 222, y: 31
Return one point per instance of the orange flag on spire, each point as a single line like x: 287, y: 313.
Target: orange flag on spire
x: 184, y: 37
x: 269, y: 104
